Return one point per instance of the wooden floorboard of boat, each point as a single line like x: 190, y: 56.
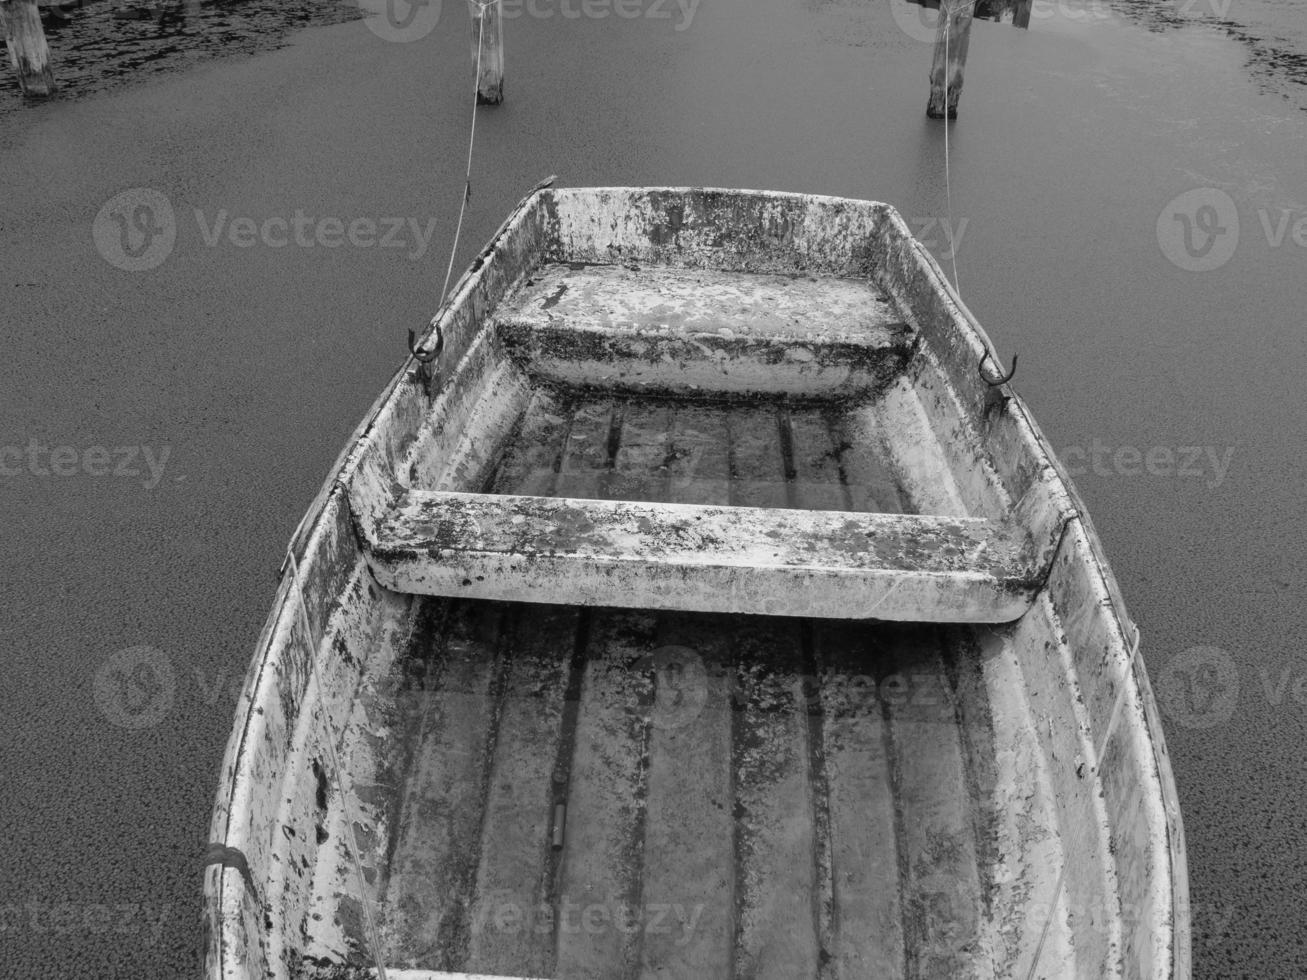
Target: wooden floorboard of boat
x: 699, y: 469
x: 937, y: 846
x: 730, y: 782
x: 754, y: 454
x: 867, y: 924
x: 598, y: 894
x: 813, y: 483
x: 686, y: 921
x: 584, y: 468
x: 745, y: 453
x: 639, y: 468
x: 814, y: 461
x: 438, y: 840
x: 776, y: 884
x: 689, y: 875
x: 869, y: 478
x: 745, y: 796
x: 531, y: 460
x: 512, y: 917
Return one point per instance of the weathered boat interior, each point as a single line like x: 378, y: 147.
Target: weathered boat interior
x: 700, y: 611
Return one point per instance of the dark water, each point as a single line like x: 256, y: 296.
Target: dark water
x: 100, y: 44
x: 97, y: 45
x: 1273, y: 32
x: 103, y: 44
x: 249, y: 366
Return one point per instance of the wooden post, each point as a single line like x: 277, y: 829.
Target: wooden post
x: 28, y: 52
x: 1022, y: 16
x: 950, y: 56
x: 488, y: 29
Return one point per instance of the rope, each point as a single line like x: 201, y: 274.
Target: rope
x: 947, y: 12
x: 1098, y: 761
x: 471, y: 141
x: 948, y: 183
x: 347, y: 804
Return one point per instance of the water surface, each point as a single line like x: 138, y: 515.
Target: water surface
x: 250, y: 365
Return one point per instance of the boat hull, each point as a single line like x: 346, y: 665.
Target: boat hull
x: 1016, y: 803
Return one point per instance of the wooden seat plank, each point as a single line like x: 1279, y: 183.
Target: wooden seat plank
x: 703, y: 329
x: 706, y: 558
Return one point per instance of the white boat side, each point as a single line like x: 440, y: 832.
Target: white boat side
x: 1119, y: 902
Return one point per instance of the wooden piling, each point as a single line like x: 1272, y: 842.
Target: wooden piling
x: 951, y: 40
x: 1022, y: 16
x: 28, y: 52
x: 488, y: 34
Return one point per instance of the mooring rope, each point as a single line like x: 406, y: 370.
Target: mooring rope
x: 338, y: 772
x: 946, y: 11
x: 482, y: 7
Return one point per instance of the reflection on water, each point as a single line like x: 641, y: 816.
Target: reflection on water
x: 1274, y: 31
x: 1015, y: 12
x: 98, y: 44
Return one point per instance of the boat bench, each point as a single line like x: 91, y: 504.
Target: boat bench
x: 823, y: 564
x: 663, y: 333
x: 628, y: 328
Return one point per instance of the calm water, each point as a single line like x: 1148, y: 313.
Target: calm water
x: 1274, y: 32
x: 96, y: 47
x: 242, y: 370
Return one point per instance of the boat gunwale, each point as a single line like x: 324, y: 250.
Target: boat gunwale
x: 302, y: 548
x: 313, y: 528
x: 1181, y: 909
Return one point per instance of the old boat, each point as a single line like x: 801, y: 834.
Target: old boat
x: 697, y: 601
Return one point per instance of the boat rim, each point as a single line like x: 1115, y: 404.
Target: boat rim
x: 311, y: 527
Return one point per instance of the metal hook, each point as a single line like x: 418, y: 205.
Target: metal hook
x: 1002, y: 380
x: 425, y: 357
